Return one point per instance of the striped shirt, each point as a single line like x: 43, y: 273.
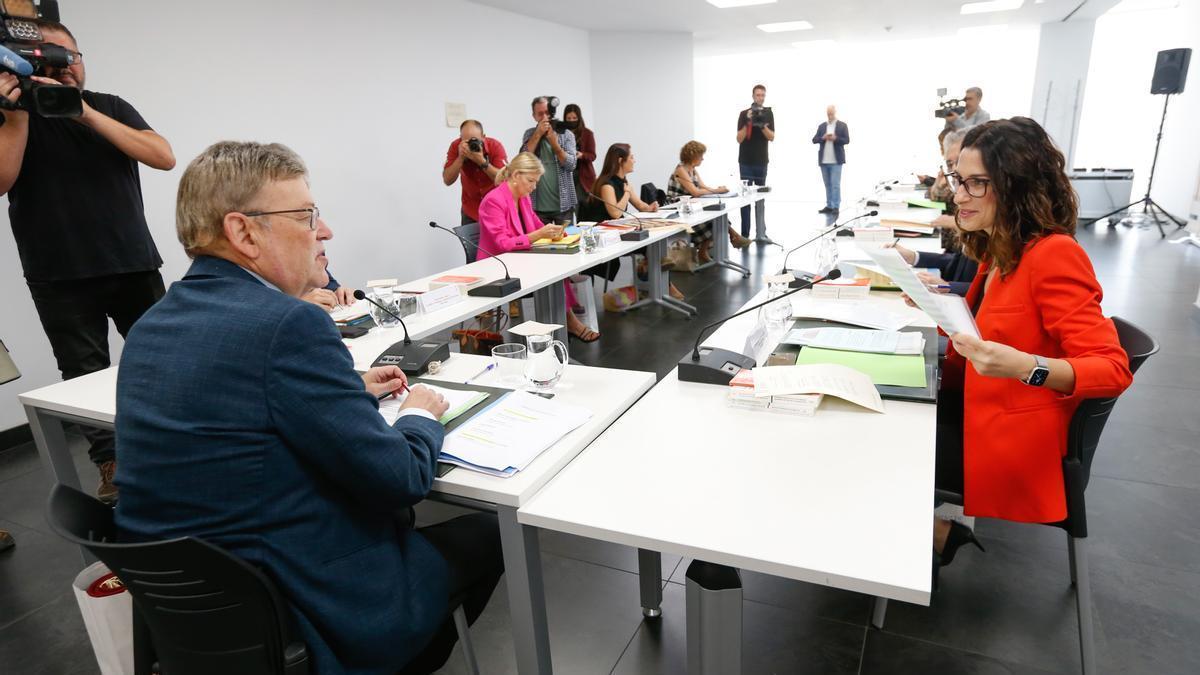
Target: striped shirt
x: 566, y: 168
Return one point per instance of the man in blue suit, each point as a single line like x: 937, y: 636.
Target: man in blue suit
x: 831, y: 138
x: 240, y: 420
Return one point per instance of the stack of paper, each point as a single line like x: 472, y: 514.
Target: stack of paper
x: 348, y: 314
x: 460, y: 401
x: 741, y: 395
x: 833, y: 380
x: 504, y: 438
x: 950, y: 312
x: 854, y: 313
x: 565, y: 242
x: 898, y: 370
x: 855, y: 340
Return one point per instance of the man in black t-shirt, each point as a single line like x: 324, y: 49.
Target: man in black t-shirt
x: 75, y: 205
x: 755, y: 129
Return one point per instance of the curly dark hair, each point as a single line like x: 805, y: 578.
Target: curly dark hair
x: 692, y: 151
x: 1034, y: 198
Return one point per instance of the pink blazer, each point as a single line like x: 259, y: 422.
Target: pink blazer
x: 500, y: 228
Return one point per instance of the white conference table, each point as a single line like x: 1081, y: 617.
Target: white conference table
x: 91, y: 400
x: 841, y: 499
x: 540, y: 274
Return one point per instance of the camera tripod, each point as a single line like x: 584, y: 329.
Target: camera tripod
x: 1149, y: 206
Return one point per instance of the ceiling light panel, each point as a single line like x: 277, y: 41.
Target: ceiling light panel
x: 784, y: 26
x: 726, y: 4
x: 991, y: 6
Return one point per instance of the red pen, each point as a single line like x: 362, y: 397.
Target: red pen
x: 403, y: 387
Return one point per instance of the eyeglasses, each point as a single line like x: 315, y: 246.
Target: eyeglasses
x: 76, y: 57
x: 313, y: 214
x: 976, y: 187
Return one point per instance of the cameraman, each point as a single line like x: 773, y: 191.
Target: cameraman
x: 477, y: 159
x: 75, y: 205
x: 554, y: 199
x: 972, y: 115
x: 756, y: 128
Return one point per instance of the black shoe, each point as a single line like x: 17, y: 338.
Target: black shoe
x: 825, y: 210
x: 834, y: 211
x: 959, y: 534
x: 6, y: 540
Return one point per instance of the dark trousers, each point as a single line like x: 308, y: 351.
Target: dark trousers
x: 471, y: 547
x: 757, y: 175
x: 552, y: 217
x: 948, y: 462
x: 75, y: 316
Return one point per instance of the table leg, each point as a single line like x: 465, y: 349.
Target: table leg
x: 658, y: 282
x: 526, y: 596
x: 550, y: 306
x: 50, y: 437
x: 721, y: 247
x: 650, y: 582
x: 714, y: 619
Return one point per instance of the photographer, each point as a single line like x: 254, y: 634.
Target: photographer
x: 755, y: 129
x: 972, y: 115
x: 554, y: 200
x: 477, y: 159
x: 75, y: 205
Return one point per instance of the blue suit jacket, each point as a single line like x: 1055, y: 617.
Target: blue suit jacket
x: 841, y: 133
x: 240, y: 420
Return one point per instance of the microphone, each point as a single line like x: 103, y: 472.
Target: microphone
x: 637, y: 234
x: 835, y: 228
x: 15, y: 62
x: 493, y: 289
x: 712, y: 365
x: 412, y: 359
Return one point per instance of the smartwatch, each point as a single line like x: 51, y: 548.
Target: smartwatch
x: 1037, y: 376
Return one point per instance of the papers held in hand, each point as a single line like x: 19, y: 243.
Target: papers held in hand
x: 950, y: 312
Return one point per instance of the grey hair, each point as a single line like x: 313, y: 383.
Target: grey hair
x: 952, y: 139
x: 977, y: 91
x: 223, y: 179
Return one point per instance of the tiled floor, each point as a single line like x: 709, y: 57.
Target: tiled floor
x: 1010, y: 610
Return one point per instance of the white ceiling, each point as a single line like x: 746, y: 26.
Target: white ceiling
x: 719, y: 31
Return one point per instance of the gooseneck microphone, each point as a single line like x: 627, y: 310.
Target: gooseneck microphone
x: 493, y: 289
x: 835, y: 228
x: 637, y: 234
x: 360, y: 295
x: 413, y: 359
x: 712, y: 365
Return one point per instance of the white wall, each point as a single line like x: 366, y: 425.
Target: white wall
x: 884, y: 91
x: 358, y: 92
x: 647, y: 80
x: 1064, y: 52
x: 1121, y: 117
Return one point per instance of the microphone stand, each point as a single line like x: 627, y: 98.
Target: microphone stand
x: 637, y: 234
x: 493, y: 289
x: 412, y: 359
x: 713, y: 365
x: 831, y: 230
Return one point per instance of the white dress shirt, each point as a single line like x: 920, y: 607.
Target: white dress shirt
x: 828, y: 155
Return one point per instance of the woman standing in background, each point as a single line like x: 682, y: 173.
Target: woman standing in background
x: 585, y: 151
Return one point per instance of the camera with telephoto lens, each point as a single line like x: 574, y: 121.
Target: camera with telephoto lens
x: 23, y: 54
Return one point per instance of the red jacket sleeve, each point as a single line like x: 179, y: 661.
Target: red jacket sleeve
x: 1068, y: 296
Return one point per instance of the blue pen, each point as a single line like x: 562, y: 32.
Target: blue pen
x: 479, y: 374
x: 939, y: 287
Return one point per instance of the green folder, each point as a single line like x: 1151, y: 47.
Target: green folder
x: 927, y: 204
x: 901, y: 370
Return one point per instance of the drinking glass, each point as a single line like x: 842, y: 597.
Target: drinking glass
x: 510, y: 363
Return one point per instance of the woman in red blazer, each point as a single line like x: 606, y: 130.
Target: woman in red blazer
x: 1045, y: 343
x: 507, y: 223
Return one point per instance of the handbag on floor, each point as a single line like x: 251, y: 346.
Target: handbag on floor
x: 108, y: 617
x: 480, y: 340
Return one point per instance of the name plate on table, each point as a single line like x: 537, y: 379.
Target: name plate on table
x: 439, y: 298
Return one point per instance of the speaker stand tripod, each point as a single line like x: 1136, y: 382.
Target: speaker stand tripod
x: 1149, y: 206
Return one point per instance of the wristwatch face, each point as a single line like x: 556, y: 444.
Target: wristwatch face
x: 1038, y: 377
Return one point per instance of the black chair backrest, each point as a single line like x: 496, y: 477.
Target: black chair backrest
x: 650, y: 193
x: 1083, y: 434
x: 206, y: 611
x: 470, y: 232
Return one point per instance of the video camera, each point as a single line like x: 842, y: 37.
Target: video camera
x: 758, y: 115
x: 947, y: 106
x: 23, y: 54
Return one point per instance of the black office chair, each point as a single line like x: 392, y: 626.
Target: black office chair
x: 470, y: 232
x: 197, y: 609
x: 1083, y: 437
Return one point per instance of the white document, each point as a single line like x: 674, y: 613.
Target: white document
x: 826, y: 378
x: 389, y: 407
x: 527, y: 328
x: 851, y: 312
x: 665, y: 214
x: 510, y: 434
x: 855, y: 340
x: 349, y: 312
x: 950, y: 312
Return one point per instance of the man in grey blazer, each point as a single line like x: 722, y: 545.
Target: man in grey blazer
x: 240, y: 420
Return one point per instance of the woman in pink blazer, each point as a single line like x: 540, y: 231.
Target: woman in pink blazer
x: 507, y: 223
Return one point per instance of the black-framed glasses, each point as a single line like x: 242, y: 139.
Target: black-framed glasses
x: 76, y: 57
x: 313, y: 214
x: 976, y: 187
